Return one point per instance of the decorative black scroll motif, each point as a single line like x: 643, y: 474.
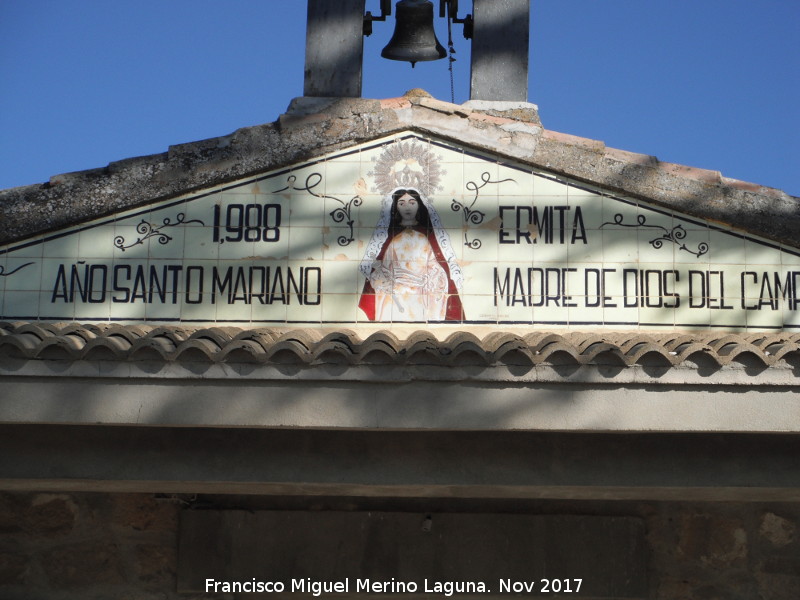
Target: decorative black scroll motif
x: 475, y: 217
x: 3, y: 269
x: 339, y: 215
x: 147, y: 230
x: 674, y: 235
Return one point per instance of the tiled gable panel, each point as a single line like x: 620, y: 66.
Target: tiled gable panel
x: 320, y: 244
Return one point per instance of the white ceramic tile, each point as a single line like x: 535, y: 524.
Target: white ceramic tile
x: 734, y: 318
x: 342, y: 277
x: 238, y: 312
x: 22, y: 274
x: 47, y: 309
x: 62, y: 277
x: 551, y: 314
x: 65, y: 246
x: 725, y: 287
x: 656, y: 251
x: 92, y: 311
x: 98, y: 242
x: 130, y: 240
x: 370, y: 155
x: 305, y: 243
x: 341, y: 308
x: 512, y: 285
x: 582, y: 315
x: 480, y: 307
x: 620, y: 214
x: 591, y: 211
x: 690, y: 223
x: 196, y: 308
x: 30, y: 249
x: 791, y: 315
x: 588, y: 255
x: 725, y: 248
x: 479, y: 277
x: 451, y: 182
x: 576, y: 191
x: 472, y: 158
x: 25, y: 305
x: 170, y: 246
x: 126, y: 311
x: 199, y: 212
x: 343, y: 179
x: 304, y: 209
x: 620, y: 245
x: 20, y: 304
x: 521, y: 252
x: 453, y: 220
x: 597, y: 286
x: 519, y: 311
x: 482, y: 179
x: 546, y: 186
x: 305, y: 313
x: 693, y: 247
x: 692, y: 314
x: 520, y: 186
x: 366, y: 215
x: 649, y: 317
x: 173, y: 217
x: 619, y: 315
x: 790, y: 257
x: 762, y: 254
x: 764, y: 318
x: 338, y: 246
x: 199, y: 244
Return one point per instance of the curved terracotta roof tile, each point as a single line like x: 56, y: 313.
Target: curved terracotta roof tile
x: 54, y: 341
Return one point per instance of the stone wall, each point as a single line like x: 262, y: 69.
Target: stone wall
x: 65, y: 546
x: 123, y: 546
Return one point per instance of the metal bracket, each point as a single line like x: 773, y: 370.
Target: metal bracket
x: 386, y: 10
x: 449, y: 9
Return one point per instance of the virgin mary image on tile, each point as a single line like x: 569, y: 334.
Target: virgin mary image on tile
x: 410, y: 269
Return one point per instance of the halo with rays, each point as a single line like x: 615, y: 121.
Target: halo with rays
x: 407, y: 164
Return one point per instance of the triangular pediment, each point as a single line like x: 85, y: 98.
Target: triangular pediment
x: 318, y: 244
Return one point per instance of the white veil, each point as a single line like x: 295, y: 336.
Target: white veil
x: 381, y: 233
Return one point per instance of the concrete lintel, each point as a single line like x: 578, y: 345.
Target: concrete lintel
x: 409, y: 405
x: 402, y: 464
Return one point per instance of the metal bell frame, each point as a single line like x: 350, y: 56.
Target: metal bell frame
x: 424, y: 45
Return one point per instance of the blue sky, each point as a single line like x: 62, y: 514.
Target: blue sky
x: 706, y: 83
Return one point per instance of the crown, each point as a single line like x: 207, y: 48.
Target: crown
x: 407, y: 165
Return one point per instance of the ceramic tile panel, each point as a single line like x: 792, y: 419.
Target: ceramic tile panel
x: 4, y: 273
x: 486, y: 241
x: 790, y: 257
x: 548, y: 185
x: 24, y: 305
x: 61, y: 247
x: 583, y: 315
x: 33, y: 248
x: 22, y: 274
x: 340, y: 307
x: 762, y: 254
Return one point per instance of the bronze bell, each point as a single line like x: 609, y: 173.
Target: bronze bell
x: 414, y: 38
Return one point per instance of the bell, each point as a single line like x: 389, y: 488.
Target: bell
x: 414, y: 38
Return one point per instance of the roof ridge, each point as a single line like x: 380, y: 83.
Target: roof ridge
x: 312, y: 128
